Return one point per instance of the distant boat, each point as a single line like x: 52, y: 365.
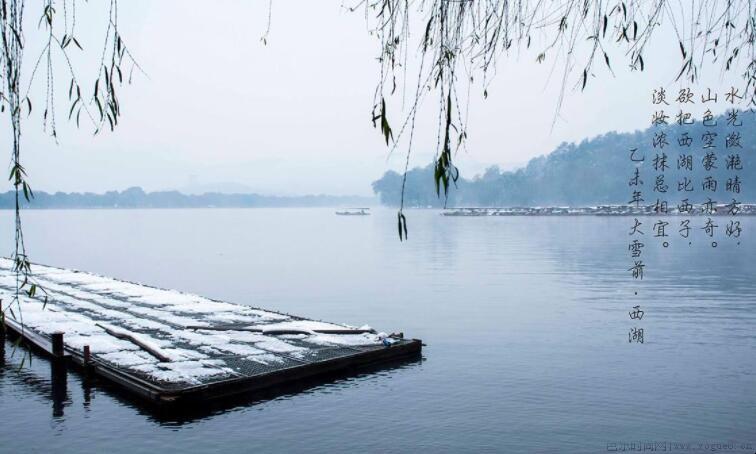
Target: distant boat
x: 354, y: 212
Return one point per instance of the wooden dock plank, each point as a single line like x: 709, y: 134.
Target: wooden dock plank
x: 168, y: 346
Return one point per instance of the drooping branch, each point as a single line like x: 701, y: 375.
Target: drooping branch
x: 462, y: 40
x: 59, y: 38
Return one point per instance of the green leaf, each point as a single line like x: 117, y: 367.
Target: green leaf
x: 28, y: 194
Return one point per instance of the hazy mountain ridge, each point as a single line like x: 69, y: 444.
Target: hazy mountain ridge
x: 595, y: 171
x: 135, y: 197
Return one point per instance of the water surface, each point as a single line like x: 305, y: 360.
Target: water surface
x: 525, y: 321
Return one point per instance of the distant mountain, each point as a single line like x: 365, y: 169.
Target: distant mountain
x: 597, y: 171
x: 136, y: 198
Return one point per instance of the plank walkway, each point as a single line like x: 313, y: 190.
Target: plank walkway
x: 169, y: 346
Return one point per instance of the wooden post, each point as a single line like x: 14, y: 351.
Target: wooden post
x: 2, y: 324
x: 2, y: 335
x: 58, y: 386
x: 57, y: 344
x: 87, y: 355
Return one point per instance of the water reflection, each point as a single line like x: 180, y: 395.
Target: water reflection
x: 58, y: 386
x: 180, y: 415
x: 27, y: 369
x: 55, y: 387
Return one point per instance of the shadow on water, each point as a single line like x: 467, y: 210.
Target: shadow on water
x: 180, y: 414
x: 55, y: 387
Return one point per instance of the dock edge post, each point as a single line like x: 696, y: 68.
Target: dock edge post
x: 57, y: 344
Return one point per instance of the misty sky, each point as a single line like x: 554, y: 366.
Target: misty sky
x: 293, y: 117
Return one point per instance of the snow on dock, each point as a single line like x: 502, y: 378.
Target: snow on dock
x: 165, y: 344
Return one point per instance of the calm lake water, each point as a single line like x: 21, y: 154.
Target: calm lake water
x: 525, y: 320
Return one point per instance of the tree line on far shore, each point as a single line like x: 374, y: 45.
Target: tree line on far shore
x: 136, y: 197
x: 598, y: 171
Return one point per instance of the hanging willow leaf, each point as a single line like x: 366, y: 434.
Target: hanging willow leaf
x: 426, y: 37
x: 99, y: 107
x: 385, y: 127
x: 585, y: 78
x: 73, y: 106
x: 687, y: 65
x: 402, y: 226
x: 28, y: 194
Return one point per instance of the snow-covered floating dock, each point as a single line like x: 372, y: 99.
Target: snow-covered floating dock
x: 169, y: 346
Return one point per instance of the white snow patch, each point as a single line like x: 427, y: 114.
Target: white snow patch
x: 129, y: 358
x: 304, y: 325
x: 184, y: 371
x: 266, y: 359
x: 344, y: 339
x: 169, y: 317
x: 99, y: 343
